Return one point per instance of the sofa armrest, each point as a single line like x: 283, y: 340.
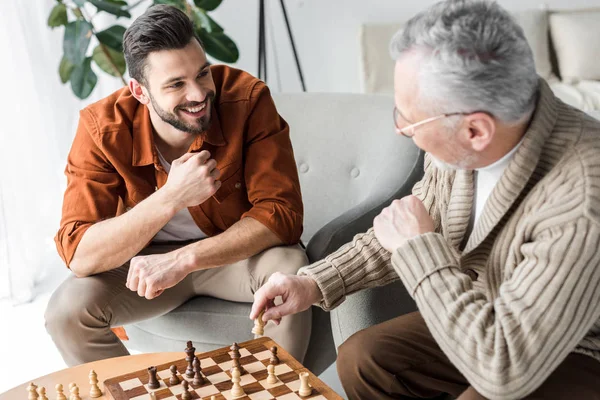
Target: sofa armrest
x: 359, y: 219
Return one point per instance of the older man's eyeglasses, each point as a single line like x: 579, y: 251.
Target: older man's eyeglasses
x: 409, y: 130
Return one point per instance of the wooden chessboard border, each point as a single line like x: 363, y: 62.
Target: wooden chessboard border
x: 113, y: 388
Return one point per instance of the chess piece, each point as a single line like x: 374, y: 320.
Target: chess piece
x: 274, y: 359
x: 32, y: 390
x: 190, y: 351
x: 186, y: 395
x: 236, y: 391
x: 75, y: 393
x: 198, y: 378
x: 153, y: 382
x: 94, y: 389
x: 259, y: 326
x: 60, y: 395
x: 213, y: 397
x: 71, y: 386
x: 42, y: 393
x: 272, y: 378
x: 174, y: 379
x: 235, y: 357
x: 305, y: 389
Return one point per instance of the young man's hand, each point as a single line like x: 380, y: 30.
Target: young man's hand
x: 150, y: 275
x: 193, y: 179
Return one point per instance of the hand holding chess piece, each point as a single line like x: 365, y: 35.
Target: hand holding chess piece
x: 94, y: 389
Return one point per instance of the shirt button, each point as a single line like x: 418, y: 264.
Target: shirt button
x: 238, y: 185
x: 472, y: 274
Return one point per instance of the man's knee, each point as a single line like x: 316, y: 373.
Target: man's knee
x: 356, y: 354
x: 76, y: 301
x: 284, y: 259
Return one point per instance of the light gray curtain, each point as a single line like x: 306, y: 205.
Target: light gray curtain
x: 38, y: 118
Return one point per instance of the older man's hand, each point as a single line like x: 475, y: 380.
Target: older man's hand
x: 402, y: 220
x: 297, y: 292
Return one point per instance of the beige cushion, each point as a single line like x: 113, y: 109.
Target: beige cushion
x: 377, y: 66
x: 576, y: 37
x: 535, y: 28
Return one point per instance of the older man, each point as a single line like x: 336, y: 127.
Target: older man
x: 499, y: 243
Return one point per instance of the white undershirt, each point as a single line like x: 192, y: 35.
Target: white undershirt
x: 182, y: 225
x: 487, y: 178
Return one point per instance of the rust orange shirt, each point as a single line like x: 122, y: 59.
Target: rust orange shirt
x: 113, y: 158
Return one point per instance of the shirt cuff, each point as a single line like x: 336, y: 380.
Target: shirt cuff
x: 329, y: 281
x: 422, y: 256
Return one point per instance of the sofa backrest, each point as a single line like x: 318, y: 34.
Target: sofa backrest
x: 346, y: 151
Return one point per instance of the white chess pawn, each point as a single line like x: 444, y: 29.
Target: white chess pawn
x: 272, y: 378
x: 305, y: 389
x: 259, y: 326
x: 42, y: 393
x: 94, y: 389
x: 59, y: 392
x: 236, y: 391
x: 75, y: 393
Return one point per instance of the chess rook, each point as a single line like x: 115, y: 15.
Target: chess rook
x: 305, y: 389
x: 153, y: 382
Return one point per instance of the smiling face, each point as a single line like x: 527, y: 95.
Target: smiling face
x: 180, y: 87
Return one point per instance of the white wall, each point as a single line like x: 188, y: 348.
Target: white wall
x: 326, y: 33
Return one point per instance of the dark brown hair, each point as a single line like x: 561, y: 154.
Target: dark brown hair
x: 161, y: 27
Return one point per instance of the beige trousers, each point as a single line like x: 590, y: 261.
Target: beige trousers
x: 82, y: 310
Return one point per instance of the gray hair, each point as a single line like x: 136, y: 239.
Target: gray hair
x: 475, y: 58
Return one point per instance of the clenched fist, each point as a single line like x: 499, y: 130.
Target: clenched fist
x: 193, y: 179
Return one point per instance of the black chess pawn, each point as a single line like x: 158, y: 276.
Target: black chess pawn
x: 153, y: 382
x: 190, y: 350
x: 274, y: 359
x: 186, y: 395
x: 174, y: 378
x: 198, y: 378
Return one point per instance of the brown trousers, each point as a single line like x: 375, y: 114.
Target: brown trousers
x: 399, y: 359
x: 82, y: 311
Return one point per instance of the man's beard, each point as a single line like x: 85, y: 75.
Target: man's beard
x: 202, y: 124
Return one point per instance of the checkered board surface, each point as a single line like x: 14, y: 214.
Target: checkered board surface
x: 216, y: 365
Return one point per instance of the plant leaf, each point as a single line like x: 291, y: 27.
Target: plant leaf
x: 83, y: 79
x: 203, y: 20
x: 65, y: 69
x: 177, y: 3
x: 111, y: 8
x: 101, y: 59
x: 79, y: 3
x: 112, y: 37
x: 76, y: 40
x: 219, y: 46
x: 208, y: 5
x: 119, y: 3
x: 58, y: 16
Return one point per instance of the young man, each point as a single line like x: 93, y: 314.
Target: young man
x: 499, y: 244
x: 184, y: 183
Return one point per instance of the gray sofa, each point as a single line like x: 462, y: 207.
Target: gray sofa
x: 351, y: 164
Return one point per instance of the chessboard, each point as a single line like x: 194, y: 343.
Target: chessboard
x: 255, y: 356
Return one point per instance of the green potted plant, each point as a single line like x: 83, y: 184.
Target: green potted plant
x: 79, y: 30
